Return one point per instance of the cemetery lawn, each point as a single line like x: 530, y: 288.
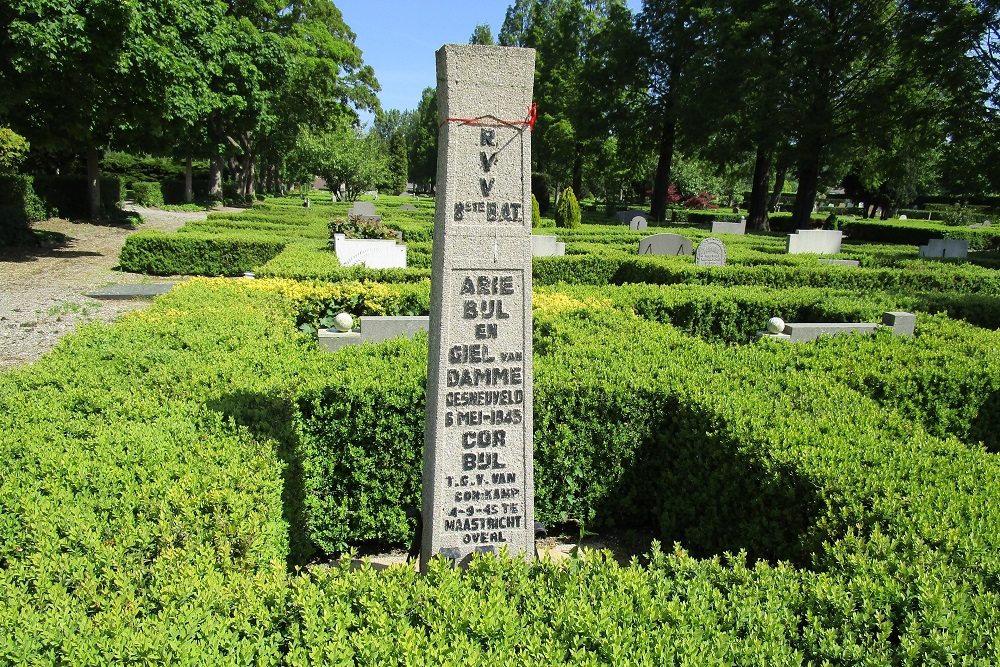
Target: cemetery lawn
x: 180, y: 482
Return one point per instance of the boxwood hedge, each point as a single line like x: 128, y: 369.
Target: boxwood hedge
x: 155, y: 497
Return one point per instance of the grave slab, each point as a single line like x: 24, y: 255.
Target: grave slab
x: 138, y: 290
x: 377, y: 328
x: 332, y: 340
x: 942, y: 248
x: 841, y: 262
x: 546, y: 246
x: 815, y: 241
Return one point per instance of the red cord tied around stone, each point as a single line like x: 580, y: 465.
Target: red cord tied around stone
x: 528, y: 122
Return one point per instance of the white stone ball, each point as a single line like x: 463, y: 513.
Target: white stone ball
x: 775, y: 325
x: 343, y: 322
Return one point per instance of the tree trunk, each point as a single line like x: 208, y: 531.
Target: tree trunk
x: 93, y: 182
x: 188, y: 185
x: 662, y: 179
x: 757, y: 216
x: 215, y: 178
x: 249, y: 186
x: 781, y: 169
x: 805, y: 196
x: 578, y: 172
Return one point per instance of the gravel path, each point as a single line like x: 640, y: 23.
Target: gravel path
x: 42, y: 289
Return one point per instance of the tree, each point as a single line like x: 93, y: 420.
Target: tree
x: 572, y: 87
x: 672, y: 30
x: 482, y: 35
x: 422, y: 138
x: 80, y: 75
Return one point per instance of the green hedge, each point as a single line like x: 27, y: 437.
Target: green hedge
x: 68, y: 194
x: 622, y: 268
x: 147, y: 193
x: 160, y: 254
x: 917, y: 232
x: 19, y: 206
x: 152, y: 498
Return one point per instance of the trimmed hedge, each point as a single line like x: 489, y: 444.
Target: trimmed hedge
x: 621, y: 268
x: 147, y: 193
x: 160, y: 254
x: 19, y: 206
x: 153, y: 492
x: 68, y: 194
x: 918, y: 232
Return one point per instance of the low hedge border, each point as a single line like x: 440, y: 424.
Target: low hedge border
x: 161, y: 254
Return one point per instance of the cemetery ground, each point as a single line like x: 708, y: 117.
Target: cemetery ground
x: 43, y: 289
x: 181, y: 481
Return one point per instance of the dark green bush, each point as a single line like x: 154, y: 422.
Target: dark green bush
x: 147, y: 193
x: 19, y: 206
x: 162, y: 254
x: 67, y: 195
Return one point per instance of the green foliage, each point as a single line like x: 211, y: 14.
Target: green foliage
x: 19, y: 206
x: 13, y: 151
x: 162, y: 254
x: 160, y: 479
x: 957, y: 215
x: 536, y: 213
x: 67, y: 195
x: 568, y: 210
x: 360, y: 227
x: 147, y: 193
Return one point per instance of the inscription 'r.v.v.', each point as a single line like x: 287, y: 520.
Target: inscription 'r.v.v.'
x: 488, y: 160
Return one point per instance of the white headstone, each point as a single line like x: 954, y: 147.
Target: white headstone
x: 940, y: 248
x: 665, y: 244
x: 638, y: 223
x: 730, y: 227
x: 817, y: 241
x: 710, y: 252
x: 478, y: 480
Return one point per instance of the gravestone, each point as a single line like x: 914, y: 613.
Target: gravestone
x: 546, y: 246
x: 941, y: 248
x: 729, y: 227
x: 407, y: 207
x: 626, y: 216
x: 365, y: 208
x: 710, y: 252
x: 478, y: 480
x: 638, y: 223
x: 665, y: 244
x: 817, y: 241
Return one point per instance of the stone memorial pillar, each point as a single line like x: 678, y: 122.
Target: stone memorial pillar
x: 478, y: 482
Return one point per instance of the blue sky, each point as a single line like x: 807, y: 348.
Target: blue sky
x: 399, y: 37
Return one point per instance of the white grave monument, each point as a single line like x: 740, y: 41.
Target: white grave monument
x: 817, y: 241
x: 478, y: 480
x: 941, y: 248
